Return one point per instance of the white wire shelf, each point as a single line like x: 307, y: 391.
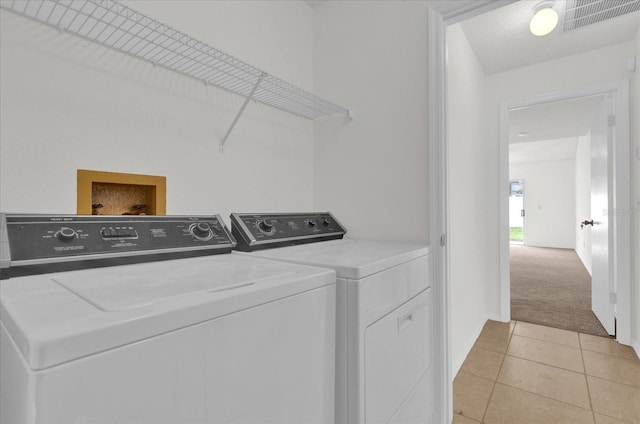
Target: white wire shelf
x: 119, y: 27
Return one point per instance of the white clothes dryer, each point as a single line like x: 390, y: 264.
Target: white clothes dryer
x: 384, y: 370
x: 172, y: 339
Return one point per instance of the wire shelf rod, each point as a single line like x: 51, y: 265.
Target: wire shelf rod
x: 121, y: 28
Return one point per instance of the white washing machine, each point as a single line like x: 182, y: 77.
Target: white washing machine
x: 172, y: 339
x: 384, y: 370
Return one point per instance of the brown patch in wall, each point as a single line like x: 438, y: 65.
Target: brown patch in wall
x: 120, y: 199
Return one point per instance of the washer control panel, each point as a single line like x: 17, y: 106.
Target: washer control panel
x: 30, y: 240
x: 255, y: 231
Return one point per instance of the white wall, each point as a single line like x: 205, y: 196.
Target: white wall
x: 68, y: 104
x: 372, y: 172
x: 471, y: 269
x: 583, y: 199
x: 549, y: 202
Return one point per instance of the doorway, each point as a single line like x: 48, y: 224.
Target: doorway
x: 617, y: 241
x: 550, y: 277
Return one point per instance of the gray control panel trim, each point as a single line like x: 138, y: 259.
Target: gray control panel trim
x: 247, y: 240
x: 253, y: 241
x: 34, y: 243
x: 112, y: 255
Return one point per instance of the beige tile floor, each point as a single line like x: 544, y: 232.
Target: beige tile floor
x: 521, y: 373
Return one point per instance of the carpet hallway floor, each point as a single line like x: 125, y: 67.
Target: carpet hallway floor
x: 552, y: 287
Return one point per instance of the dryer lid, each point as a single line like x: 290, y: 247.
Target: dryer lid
x: 353, y: 259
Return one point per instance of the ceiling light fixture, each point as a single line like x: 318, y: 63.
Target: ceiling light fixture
x: 545, y: 18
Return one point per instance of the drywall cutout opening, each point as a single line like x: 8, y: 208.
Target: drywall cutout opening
x: 115, y: 193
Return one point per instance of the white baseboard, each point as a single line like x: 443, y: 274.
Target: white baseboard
x: 494, y: 317
x: 635, y: 344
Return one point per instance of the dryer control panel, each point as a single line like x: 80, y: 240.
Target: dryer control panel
x: 255, y: 231
x: 31, y: 243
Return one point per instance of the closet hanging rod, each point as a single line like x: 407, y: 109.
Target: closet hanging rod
x: 119, y: 27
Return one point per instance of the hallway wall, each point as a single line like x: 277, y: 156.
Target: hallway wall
x: 549, y: 202
x: 472, y: 269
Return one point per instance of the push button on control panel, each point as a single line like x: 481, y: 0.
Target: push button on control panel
x: 112, y: 233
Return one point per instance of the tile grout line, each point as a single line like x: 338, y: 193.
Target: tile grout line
x: 614, y: 382
x: 541, y: 395
x: 610, y: 381
x: 614, y: 357
x: 578, y: 333
x: 622, y: 359
x: 544, y: 363
x: 549, y: 341
x: 548, y: 397
x: 586, y: 379
x: 552, y: 366
x: 495, y: 382
x: 635, y: 359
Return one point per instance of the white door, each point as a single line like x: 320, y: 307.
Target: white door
x: 516, y: 211
x: 602, y: 282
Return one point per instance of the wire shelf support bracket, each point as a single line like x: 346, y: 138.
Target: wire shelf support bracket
x: 244, y: 105
x: 121, y: 28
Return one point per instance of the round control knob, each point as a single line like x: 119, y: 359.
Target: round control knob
x: 326, y: 222
x: 201, y: 230
x: 311, y: 223
x: 66, y: 234
x: 266, y: 227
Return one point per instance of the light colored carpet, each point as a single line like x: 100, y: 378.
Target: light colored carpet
x: 552, y: 287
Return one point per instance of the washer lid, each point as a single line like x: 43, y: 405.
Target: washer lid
x: 119, y: 288
x: 55, y: 318
x: 349, y: 258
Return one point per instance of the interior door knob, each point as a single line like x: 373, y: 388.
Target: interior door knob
x: 583, y: 223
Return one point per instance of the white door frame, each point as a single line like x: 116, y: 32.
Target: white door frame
x: 620, y: 224
x: 440, y: 15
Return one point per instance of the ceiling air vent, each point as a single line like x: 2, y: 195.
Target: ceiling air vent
x: 581, y: 13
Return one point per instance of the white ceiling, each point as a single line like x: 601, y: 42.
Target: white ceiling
x: 543, y: 151
x: 502, y: 41
x: 570, y: 118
